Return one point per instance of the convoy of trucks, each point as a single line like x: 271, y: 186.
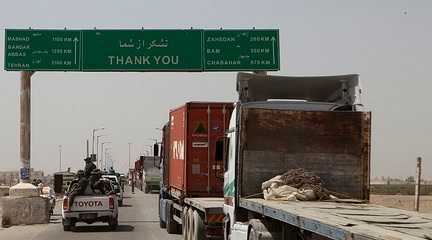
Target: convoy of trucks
x: 215, y: 157
x: 279, y: 123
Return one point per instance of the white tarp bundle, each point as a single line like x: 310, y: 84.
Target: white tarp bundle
x: 295, y: 185
x: 274, y: 189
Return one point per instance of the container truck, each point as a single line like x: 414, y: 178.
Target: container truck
x: 314, y: 123
x: 151, y: 173
x: 191, y: 196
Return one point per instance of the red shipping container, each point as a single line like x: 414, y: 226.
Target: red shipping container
x: 196, y: 141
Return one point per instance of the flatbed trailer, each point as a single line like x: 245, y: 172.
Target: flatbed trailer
x: 344, y: 220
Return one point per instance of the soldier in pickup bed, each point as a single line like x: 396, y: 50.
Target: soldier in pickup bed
x: 80, y: 174
x: 89, y: 167
x: 99, y: 184
x: 78, y: 186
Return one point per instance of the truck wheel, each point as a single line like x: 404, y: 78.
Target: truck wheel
x: 66, y: 228
x: 121, y: 203
x: 113, y: 223
x: 227, y: 227
x: 190, y: 225
x: 66, y: 224
x: 171, y: 225
x: 162, y: 224
x: 198, y: 227
x: 261, y: 230
x: 147, y: 188
x: 185, y: 223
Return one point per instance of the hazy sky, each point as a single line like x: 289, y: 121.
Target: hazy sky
x: 389, y: 43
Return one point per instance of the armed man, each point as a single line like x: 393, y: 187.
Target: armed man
x: 78, y: 186
x: 89, y: 167
x: 99, y: 184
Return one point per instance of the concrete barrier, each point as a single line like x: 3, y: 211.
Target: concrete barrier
x: 4, y: 191
x: 24, y: 210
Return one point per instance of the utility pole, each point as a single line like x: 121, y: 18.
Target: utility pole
x: 60, y: 157
x: 87, y: 148
x: 417, y: 185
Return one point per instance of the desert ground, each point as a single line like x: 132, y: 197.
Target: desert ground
x: 403, y: 202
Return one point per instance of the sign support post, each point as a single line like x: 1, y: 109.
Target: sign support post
x: 25, y: 105
x: 24, y: 188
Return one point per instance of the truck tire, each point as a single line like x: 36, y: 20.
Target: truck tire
x: 113, y: 223
x: 120, y: 203
x: 162, y: 223
x: 185, y: 220
x: 261, y: 230
x: 147, y: 189
x: 66, y: 228
x: 198, y: 227
x: 227, y: 227
x: 171, y: 225
x: 190, y: 225
x: 67, y: 224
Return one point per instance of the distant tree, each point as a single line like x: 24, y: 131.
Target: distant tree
x: 410, y: 179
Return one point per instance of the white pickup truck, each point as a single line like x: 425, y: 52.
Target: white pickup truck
x: 90, y: 208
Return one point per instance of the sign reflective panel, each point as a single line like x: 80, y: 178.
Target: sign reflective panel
x: 241, y: 50
x: 43, y: 50
x: 141, y: 50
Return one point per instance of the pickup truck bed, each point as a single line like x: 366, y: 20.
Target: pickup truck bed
x: 90, y: 209
x: 353, y: 221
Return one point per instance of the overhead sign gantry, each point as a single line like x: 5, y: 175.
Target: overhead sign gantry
x: 142, y: 50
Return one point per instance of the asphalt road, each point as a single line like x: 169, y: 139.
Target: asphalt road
x: 138, y: 219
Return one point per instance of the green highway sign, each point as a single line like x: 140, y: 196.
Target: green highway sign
x: 141, y: 50
x: 241, y: 50
x: 43, y: 50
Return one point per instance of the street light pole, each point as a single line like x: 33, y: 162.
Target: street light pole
x: 60, y: 157
x: 129, y: 155
x: 102, y: 154
x: 106, y: 154
x: 93, y: 136
x: 97, y: 147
